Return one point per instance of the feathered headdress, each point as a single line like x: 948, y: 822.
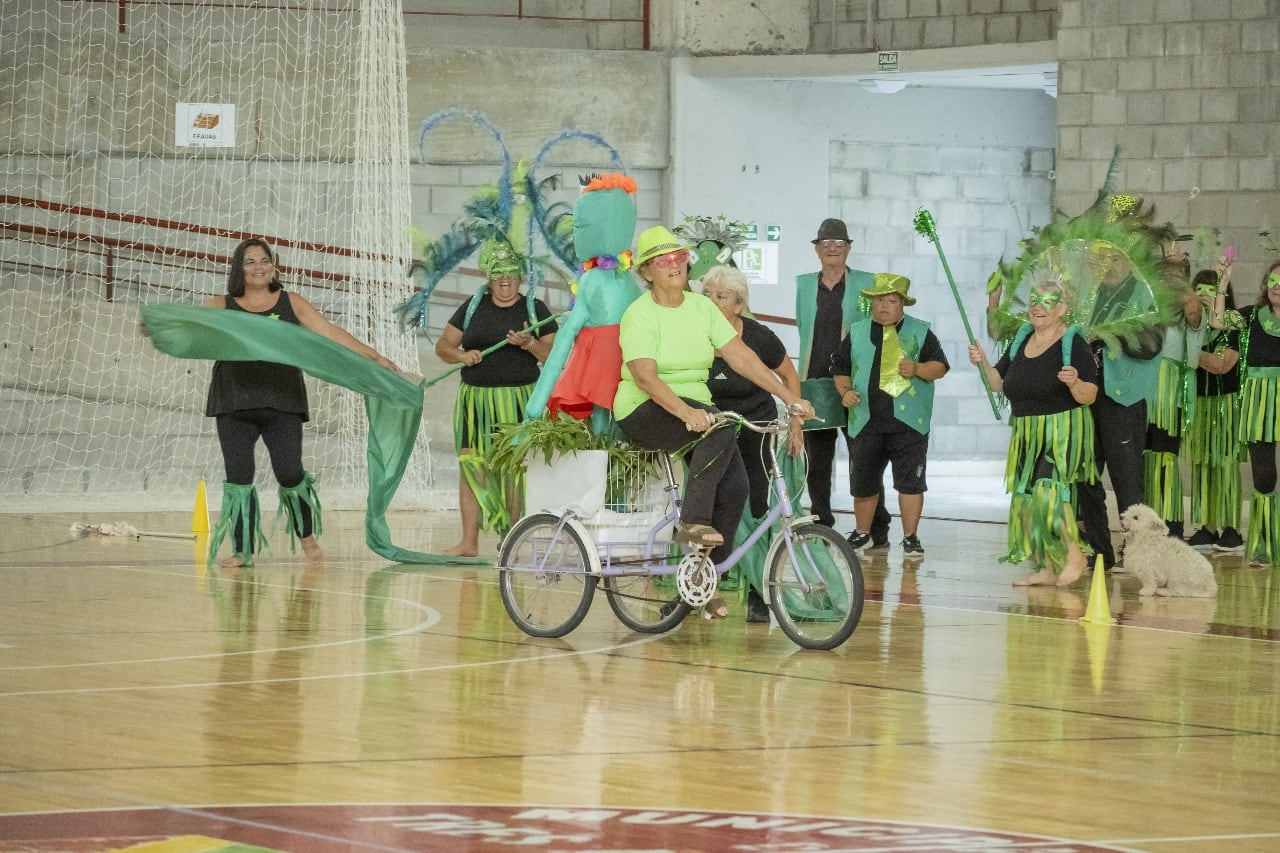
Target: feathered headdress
x: 1080, y: 252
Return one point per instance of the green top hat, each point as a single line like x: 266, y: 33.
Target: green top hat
x: 890, y: 282
x: 654, y: 242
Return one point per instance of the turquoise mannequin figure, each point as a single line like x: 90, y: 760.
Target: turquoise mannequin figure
x: 581, y: 375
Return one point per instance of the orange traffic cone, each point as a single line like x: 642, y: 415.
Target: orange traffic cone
x: 1098, y: 610
x: 200, y: 515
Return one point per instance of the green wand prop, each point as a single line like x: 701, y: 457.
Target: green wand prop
x: 499, y: 345
x: 926, y: 228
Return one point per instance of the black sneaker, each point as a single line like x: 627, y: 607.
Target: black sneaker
x: 911, y: 547
x: 757, y: 610
x: 1230, y: 541
x: 1175, y: 529
x: 879, y: 542
x: 1204, y: 538
x: 859, y: 540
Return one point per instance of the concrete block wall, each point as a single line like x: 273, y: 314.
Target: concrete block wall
x: 567, y: 29
x: 1188, y: 91
x: 984, y: 200
x: 918, y: 24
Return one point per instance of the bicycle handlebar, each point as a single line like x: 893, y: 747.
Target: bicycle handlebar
x: 779, y: 425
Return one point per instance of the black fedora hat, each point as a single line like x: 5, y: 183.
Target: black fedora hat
x: 832, y: 229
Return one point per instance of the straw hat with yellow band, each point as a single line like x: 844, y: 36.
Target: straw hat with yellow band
x: 886, y: 283
x: 656, y: 242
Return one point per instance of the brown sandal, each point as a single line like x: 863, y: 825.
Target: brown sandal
x: 699, y: 535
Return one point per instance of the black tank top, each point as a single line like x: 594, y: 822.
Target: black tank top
x: 240, y: 385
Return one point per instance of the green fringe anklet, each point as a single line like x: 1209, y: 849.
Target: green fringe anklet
x: 292, y: 501
x: 1263, y: 542
x: 239, y: 509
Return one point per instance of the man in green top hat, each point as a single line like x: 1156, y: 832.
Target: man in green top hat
x: 884, y: 371
x: 827, y: 304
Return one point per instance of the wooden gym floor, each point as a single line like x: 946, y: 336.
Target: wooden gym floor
x: 149, y: 703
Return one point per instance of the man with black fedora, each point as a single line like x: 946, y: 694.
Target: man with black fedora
x: 828, y: 302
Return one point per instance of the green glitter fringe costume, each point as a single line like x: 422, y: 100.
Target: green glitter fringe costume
x: 1042, y: 517
x: 1041, y: 513
x: 1259, y: 389
x: 1160, y: 468
x: 478, y: 412
x: 1258, y: 417
x: 1213, y: 449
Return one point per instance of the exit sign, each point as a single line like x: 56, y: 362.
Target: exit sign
x: 887, y: 60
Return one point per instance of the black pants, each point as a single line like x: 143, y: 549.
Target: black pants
x: 751, y: 448
x: 1262, y: 464
x: 820, y: 447
x: 1120, y: 437
x: 281, y: 432
x: 717, y: 488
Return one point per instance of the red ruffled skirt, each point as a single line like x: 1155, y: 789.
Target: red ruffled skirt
x: 591, y: 373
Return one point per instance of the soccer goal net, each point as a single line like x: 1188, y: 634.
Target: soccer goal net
x: 143, y: 140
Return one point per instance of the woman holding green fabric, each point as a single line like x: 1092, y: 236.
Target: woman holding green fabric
x: 1050, y: 378
x: 495, y: 387
x: 261, y: 399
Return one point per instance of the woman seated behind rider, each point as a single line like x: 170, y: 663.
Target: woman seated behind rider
x: 726, y: 286
x: 669, y: 337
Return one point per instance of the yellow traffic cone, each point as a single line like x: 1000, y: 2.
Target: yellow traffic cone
x: 1098, y: 610
x: 200, y: 515
x: 1096, y: 638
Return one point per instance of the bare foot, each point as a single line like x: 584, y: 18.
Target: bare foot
x: 1044, y: 577
x: 461, y: 550
x: 235, y: 561
x: 311, y: 550
x: 1074, y: 568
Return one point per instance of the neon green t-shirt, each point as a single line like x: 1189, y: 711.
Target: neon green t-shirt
x: 682, y: 340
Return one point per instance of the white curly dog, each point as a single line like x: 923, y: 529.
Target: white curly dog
x: 1166, y: 566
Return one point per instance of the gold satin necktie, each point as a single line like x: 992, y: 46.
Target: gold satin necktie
x: 891, y: 381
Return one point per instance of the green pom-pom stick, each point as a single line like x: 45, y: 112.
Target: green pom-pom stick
x: 926, y: 228
x: 499, y: 345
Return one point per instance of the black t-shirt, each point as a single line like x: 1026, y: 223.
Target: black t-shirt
x: 883, y: 419
x: 1031, y: 384
x: 240, y: 385
x: 734, y: 392
x: 826, y: 329
x: 1264, y: 350
x: 507, y: 366
x: 1213, y: 384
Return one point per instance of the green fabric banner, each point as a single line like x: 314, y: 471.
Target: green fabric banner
x: 393, y: 403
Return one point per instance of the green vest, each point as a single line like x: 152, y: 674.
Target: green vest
x: 1129, y: 380
x: 855, y: 281
x: 914, y: 407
